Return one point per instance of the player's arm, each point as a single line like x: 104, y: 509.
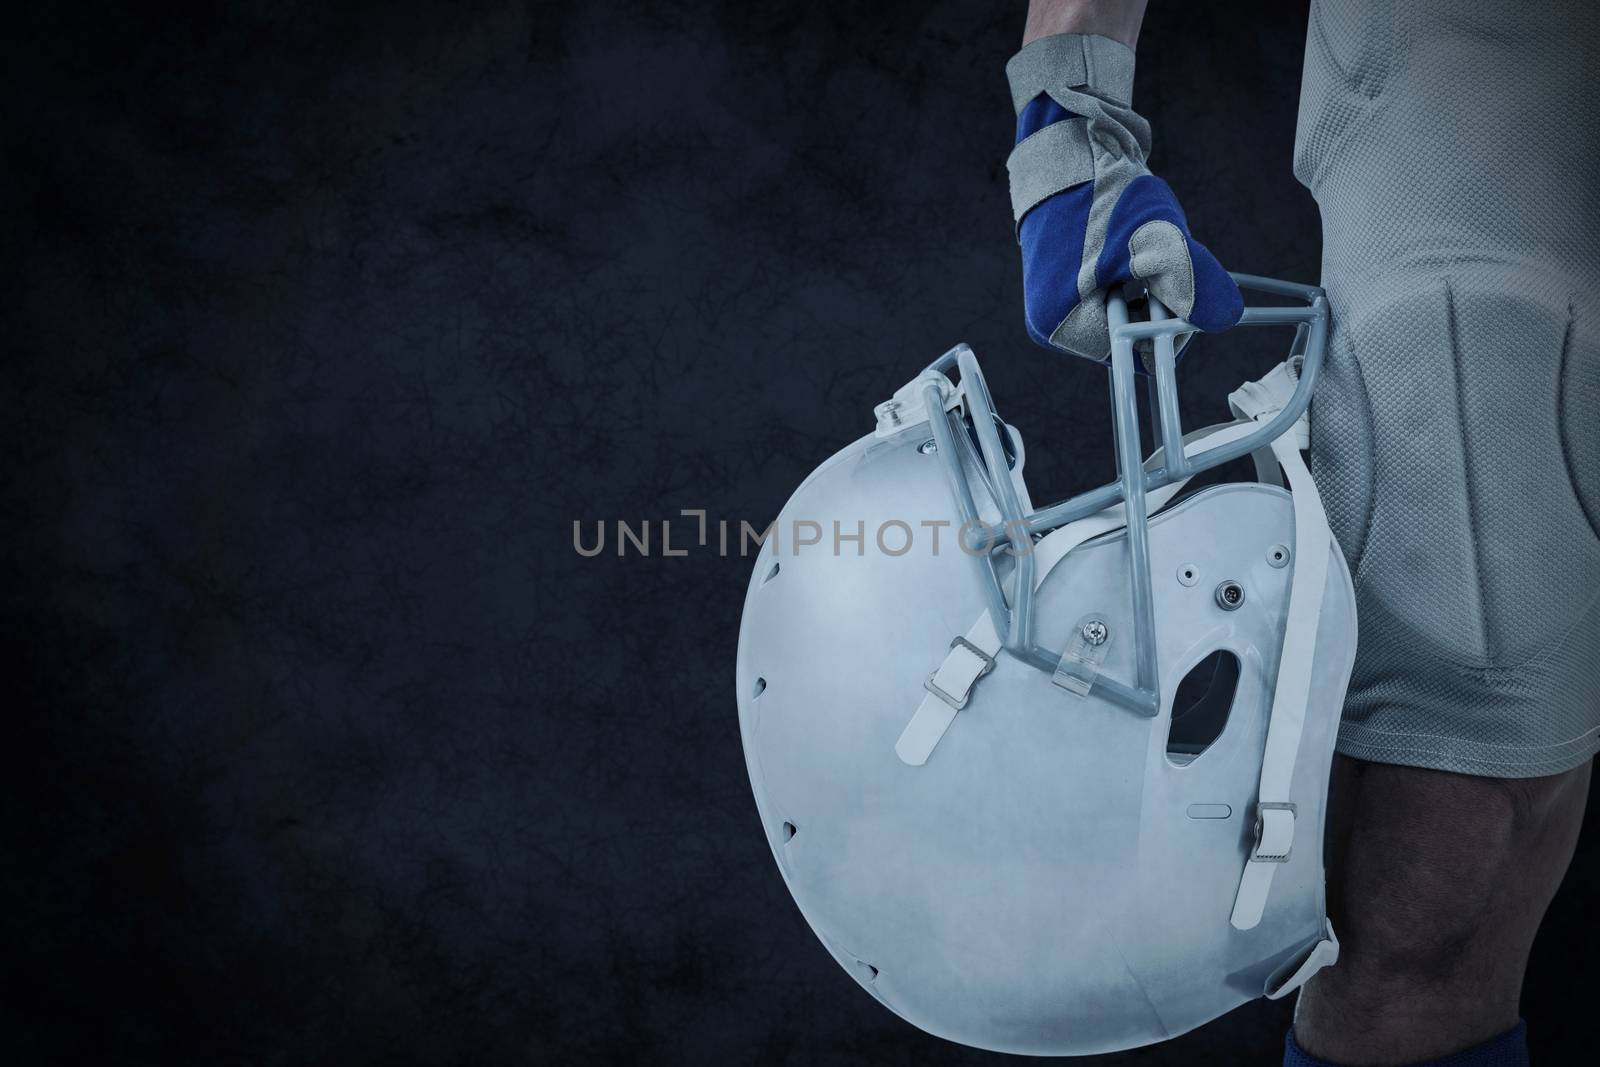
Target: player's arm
x: 1089, y: 213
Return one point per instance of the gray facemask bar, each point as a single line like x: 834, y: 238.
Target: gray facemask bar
x: 1014, y: 620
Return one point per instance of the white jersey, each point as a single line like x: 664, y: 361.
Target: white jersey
x: 1432, y: 131
x: 1452, y: 147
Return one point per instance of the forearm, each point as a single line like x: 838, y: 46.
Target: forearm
x: 1117, y: 19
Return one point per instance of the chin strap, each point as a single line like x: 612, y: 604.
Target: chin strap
x: 1275, y: 813
x: 948, y: 690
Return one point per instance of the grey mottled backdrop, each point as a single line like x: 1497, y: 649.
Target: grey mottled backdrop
x: 322, y: 326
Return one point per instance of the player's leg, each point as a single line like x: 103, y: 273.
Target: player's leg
x: 1437, y: 884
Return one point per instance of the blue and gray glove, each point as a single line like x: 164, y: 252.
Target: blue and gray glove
x: 1089, y: 213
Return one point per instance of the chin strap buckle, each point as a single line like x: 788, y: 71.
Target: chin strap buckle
x: 949, y: 687
x: 966, y: 673
x: 1274, y: 841
x: 1274, y: 833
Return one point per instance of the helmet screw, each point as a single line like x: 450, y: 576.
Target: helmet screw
x: 1095, y: 632
x: 1230, y: 595
x: 928, y: 447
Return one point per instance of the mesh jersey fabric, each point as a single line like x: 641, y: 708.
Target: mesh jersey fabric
x: 1452, y: 152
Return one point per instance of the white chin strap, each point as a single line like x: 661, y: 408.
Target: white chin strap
x: 1275, y: 813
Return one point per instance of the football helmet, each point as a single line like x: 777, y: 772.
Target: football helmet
x: 1051, y: 780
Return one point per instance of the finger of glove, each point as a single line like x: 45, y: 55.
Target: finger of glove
x: 1147, y: 238
x: 1216, y: 303
x: 1184, y: 275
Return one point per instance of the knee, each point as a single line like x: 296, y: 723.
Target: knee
x: 1437, y: 883
x: 1448, y: 873
x: 1416, y: 929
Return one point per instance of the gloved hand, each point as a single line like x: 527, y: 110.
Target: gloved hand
x: 1089, y: 213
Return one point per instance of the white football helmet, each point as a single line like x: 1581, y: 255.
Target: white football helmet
x: 1058, y: 788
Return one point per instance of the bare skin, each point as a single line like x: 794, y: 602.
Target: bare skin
x: 1117, y: 19
x: 1437, y: 882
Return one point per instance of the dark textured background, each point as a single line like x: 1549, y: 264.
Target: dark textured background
x: 322, y: 327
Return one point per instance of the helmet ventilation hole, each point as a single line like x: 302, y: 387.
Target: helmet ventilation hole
x: 1200, y: 706
x: 771, y: 574
x: 761, y: 687
x: 789, y: 830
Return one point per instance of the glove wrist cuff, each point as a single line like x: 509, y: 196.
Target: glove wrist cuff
x: 1050, y: 161
x: 1064, y: 64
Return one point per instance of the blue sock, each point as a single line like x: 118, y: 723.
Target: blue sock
x: 1510, y: 1049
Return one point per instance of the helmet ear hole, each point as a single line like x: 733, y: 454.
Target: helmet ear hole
x: 1200, y: 706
